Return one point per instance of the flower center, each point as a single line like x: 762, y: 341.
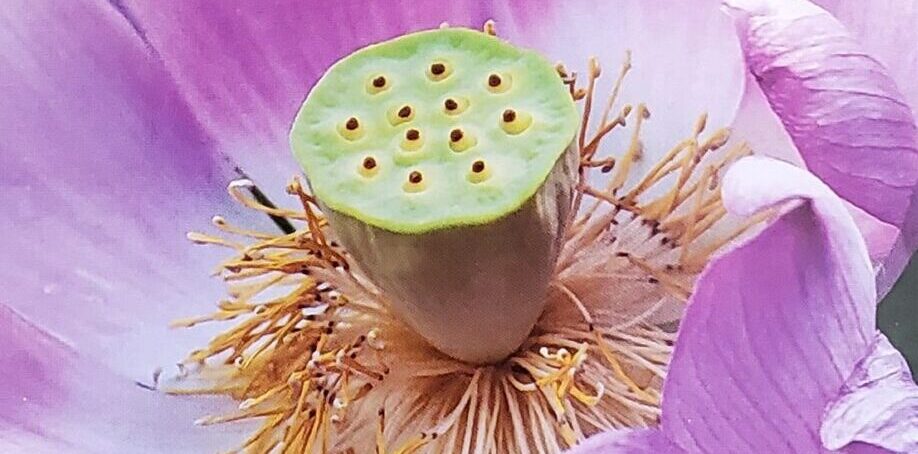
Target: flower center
x: 316, y: 355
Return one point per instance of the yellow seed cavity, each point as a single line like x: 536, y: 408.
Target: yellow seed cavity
x: 401, y: 113
x: 415, y: 182
x: 439, y: 70
x: 479, y: 171
x: 455, y: 105
x: 378, y: 84
x: 368, y: 167
x: 513, y: 121
x: 351, y: 129
x: 460, y: 140
x: 498, y: 82
x: 412, y: 140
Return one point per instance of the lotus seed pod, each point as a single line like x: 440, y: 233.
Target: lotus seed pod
x: 444, y: 162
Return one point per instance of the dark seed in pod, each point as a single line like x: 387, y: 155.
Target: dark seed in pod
x: 494, y: 80
x: 369, y: 163
x: 437, y: 69
x: 455, y: 135
x: 509, y: 116
x: 379, y: 82
x: 415, y: 177
x: 478, y: 166
x: 351, y: 124
x: 450, y: 104
x: 412, y: 134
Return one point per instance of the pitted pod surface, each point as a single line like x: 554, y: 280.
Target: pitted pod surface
x: 432, y: 130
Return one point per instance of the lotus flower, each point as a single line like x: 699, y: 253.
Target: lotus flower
x: 124, y: 122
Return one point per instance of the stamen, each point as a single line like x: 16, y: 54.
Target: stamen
x: 490, y: 28
x: 313, y: 352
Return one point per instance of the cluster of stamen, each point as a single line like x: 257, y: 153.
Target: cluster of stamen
x: 326, y: 367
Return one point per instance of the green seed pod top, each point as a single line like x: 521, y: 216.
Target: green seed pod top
x: 432, y: 130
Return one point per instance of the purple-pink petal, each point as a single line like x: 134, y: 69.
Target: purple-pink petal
x: 843, y: 111
x: 878, y: 405
x: 638, y: 441
x: 774, y: 326
x: 686, y: 59
x: 104, y: 170
x: 773, y: 332
x: 53, y: 399
x: 887, y: 30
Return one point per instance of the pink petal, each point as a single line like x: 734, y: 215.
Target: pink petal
x: 775, y: 325
x: 887, y: 30
x: 53, y: 399
x: 638, y: 441
x: 104, y: 169
x: 879, y: 404
x: 842, y: 110
x: 686, y: 59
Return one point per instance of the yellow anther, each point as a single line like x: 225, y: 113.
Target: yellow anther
x: 489, y: 27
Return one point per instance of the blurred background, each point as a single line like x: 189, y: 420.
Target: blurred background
x: 898, y: 315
